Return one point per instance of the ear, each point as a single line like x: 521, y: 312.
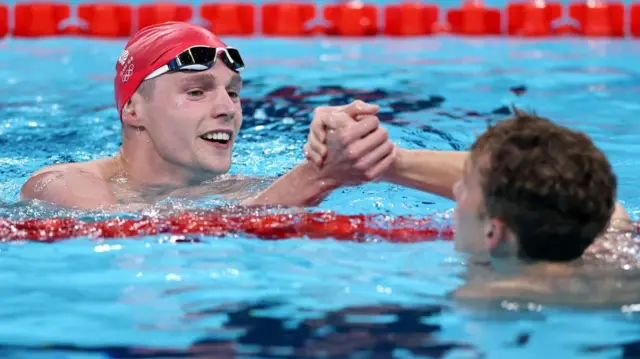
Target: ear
x: 497, y: 237
x: 132, y: 112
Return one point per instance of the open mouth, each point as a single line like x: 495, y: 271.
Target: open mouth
x: 221, y: 137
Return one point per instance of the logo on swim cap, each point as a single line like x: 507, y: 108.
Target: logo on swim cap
x: 126, y: 62
x: 127, y: 73
x: 123, y: 57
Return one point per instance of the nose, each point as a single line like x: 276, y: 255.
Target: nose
x: 223, y: 106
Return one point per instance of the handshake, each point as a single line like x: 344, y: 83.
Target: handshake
x: 348, y: 146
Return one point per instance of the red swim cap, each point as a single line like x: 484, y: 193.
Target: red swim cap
x: 153, y: 47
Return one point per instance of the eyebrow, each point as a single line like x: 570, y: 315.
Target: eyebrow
x: 236, y: 80
x: 207, y: 78
x: 202, y: 78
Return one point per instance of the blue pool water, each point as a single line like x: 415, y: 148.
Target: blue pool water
x: 241, y: 297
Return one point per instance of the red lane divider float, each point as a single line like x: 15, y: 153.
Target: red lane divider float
x: 107, y: 20
x: 354, y: 18
x: 532, y: 18
x: 229, y: 18
x: 4, y: 20
x: 599, y: 18
x: 475, y: 19
x: 351, y: 19
x: 287, y: 18
x: 151, y: 14
x: 411, y: 19
x: 634, y: 25
x: 277, y: 226
x: 39, y: 19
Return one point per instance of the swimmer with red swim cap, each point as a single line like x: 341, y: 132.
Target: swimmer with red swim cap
x: 177, y: 91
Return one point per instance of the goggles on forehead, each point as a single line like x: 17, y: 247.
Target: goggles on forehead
x: 200, y: 58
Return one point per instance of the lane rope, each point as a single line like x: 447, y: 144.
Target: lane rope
x: 312, y: 225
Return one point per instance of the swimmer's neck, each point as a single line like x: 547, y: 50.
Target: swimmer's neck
x: 141, y: 167
x: 514, y: 265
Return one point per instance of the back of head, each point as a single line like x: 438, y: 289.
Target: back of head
x: 550, y: 185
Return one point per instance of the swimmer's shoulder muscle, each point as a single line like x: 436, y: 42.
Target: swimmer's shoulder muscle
x: 68, y: 187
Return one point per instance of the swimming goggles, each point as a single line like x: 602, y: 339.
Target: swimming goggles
x: 200, y: 58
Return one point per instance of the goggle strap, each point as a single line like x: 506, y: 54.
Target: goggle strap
x: 158, y: 72
x: 173, y: 64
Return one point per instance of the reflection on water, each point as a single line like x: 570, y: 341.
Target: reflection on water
x: 253, y: 331
x: 257, y: 331
x: 146, y: 297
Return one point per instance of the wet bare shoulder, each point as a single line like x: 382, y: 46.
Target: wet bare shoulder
x: 102, y: 168
x: 502, y: 289
x: 70, y: 186
x: 620, y: 219
x: 594, y: 289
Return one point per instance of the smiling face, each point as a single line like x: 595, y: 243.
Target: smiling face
x: 193, y: 118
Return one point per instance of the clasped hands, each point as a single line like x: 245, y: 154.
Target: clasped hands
x: 348, y: 145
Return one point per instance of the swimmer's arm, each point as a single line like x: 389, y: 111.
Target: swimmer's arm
x: 302, y: 186
x: 437, y: 171
x: 426, y: 170
x: 73, y: 189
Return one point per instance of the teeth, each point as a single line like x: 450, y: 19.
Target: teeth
x: 220, y: 136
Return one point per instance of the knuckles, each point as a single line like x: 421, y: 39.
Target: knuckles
x: 352, y: 153
x: 370, y: 176
x: 344, y: 136
x: 388, y: 146
x: 382, y: 132
x: 375, y: 122
x: 361, y: 166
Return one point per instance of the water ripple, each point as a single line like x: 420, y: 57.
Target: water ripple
x: 231, y: 296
